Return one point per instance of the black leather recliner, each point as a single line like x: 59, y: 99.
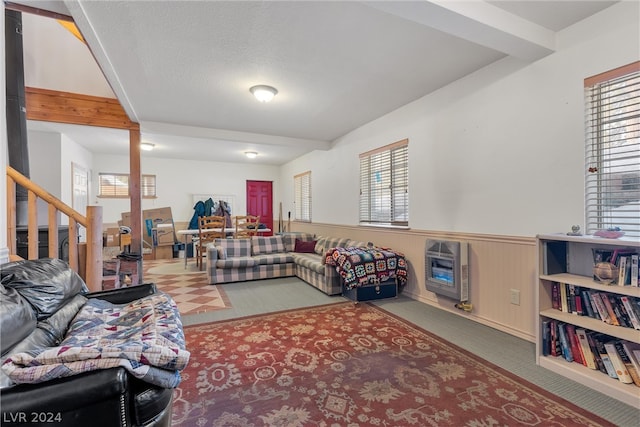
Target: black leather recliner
x: 39, y: 298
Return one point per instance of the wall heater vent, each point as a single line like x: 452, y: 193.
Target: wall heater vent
x: 447, y: 268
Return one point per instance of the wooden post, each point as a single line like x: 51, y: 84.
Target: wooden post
x: 74, y: 262
x: 54, y: 248
x: 12, y: 241
x: 93, y: 278
x: 135, y: 194
x: 32, y: 226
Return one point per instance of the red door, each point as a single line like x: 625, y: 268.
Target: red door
x: 260, y: 202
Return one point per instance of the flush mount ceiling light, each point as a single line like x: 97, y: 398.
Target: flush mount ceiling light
x: 263, y: 93
x: 251, y: 154
x: 146, y: 146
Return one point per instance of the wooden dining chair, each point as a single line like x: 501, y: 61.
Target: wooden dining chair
x: 209, y: 228
x: 246, y: 226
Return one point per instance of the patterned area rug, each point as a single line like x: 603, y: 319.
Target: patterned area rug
x: 189, y: 288
x: 350, y: 365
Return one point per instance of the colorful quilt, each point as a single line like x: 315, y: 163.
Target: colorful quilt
x: 144, y: 336
x: 360, y: 266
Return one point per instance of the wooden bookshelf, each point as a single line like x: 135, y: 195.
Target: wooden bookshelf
x: 569, y: 259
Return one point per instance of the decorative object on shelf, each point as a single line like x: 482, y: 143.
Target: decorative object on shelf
x: 605, y: 272
x: 575, y: 231
x: 610, y: 233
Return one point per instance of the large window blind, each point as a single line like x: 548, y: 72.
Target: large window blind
x: 384, y: 185
x: 612, y: 189
x: 302, y: 199
x: 116, y: 185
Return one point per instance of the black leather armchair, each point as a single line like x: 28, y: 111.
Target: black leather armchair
x: 109, y: 397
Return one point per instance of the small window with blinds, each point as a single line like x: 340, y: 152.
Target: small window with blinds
x: 116, y: 185
x: 612, y: 190
x: 302, y: 197
x: 384, y: 185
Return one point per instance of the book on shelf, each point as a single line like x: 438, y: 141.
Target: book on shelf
x: 633, y: 353
x: 624, y: 313
x: 609, y: 307
x: 555, y: 295
x: 620, y: 311
x: 618, y: 364
x: 576, y: 350
x: 618, y: 253
x: 554, y: 345
x: 586, y: 304
x: 546, y: 337
x: 564, y: 305
x: 571, y: 299
x: 565, y: 345
x: 594, y: 309
x: 602, y: 310
x: 600, y: 340
x: 588, y: 358
x: 595, y: 352
x: 631, y: 369
x: 634, y: 270
x: 622, y: 270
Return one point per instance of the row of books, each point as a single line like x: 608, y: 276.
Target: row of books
x: 611, y: 308
x: 612, y: 356
x: 626, y: 261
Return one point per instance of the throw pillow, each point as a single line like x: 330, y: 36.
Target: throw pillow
x: 305, y: 247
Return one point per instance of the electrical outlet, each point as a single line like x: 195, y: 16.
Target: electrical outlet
x: 515, y: 297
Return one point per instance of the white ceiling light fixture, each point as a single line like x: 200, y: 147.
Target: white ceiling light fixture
x: 146, y: 146
x: 263, y: 93
x: 251, y: 154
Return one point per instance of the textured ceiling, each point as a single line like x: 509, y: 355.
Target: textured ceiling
x: 182, y: 69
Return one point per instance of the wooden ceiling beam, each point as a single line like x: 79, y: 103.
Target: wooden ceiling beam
x: 72, y: 108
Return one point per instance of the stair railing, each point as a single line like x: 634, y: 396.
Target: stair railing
x: 89, y: 265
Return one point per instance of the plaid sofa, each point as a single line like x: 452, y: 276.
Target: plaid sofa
x: 259, y: 257
x: 234, y: 260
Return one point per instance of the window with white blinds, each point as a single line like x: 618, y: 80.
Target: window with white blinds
x: 116, y: 185
x: 302, y: 198
x: 384, y: 185
x: 612, y: 190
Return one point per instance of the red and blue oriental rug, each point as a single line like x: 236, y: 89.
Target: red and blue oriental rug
x: 351, y: 365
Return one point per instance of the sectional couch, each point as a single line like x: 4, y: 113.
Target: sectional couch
x: 286, y: 254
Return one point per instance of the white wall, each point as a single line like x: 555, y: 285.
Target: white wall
x: 498, y: 152
x: 178, y: 180
x: 73, y: 70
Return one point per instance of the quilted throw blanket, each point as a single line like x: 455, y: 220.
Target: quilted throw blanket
x: 361, y: 266
x: 144, y: 336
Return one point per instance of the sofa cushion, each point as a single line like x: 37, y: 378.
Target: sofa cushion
x: 261, y: 245
x: 234, y: 247
x: 17, y: 317
x: 236, y: 262
x: 313, y: 262
x: 325, y: 243
x: 47, y: 283
x: 279, y: 258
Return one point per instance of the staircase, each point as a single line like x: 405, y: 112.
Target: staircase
x: 84, y: 258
